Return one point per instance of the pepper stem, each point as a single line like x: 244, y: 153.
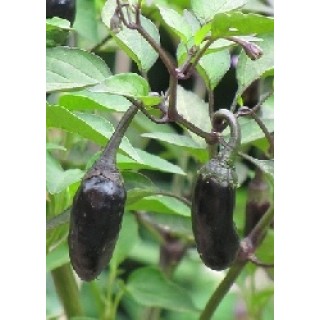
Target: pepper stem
x: 110, y: 151
x: 230, y: 151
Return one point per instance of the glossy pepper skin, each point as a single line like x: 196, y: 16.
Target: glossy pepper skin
x: 97, y: 210
x: 96, y: 218
x: 212, y: 214
x: 65, y: 9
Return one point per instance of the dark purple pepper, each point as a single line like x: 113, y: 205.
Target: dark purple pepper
x: 96, y: 218
x: 213, y: 201
x: 97, y: 210
x: 212, y: 214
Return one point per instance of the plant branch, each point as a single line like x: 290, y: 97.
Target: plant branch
x: 211, y: 106
x: 164, y: 56
x: 194, y: 56
x: 245, y: 111
x: 222, y: 290
x: 67, y: 290
x: 172, y: 109
x: 211, y: 138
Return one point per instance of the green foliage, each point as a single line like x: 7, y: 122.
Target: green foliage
x: 130, y: 41
x: 158, y: 162
x: 177, y: 23
x: 128, y: 85
x: 212, y: 67
x: 72, y: 68
x: 57, y: 31
x: 205, y: 10
x: 248, y: 70
x: 158, y: 291
x: 59, y: 179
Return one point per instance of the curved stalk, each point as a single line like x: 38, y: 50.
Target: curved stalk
x: 229, y: 153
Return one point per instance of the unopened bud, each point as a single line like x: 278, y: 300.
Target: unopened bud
x: 252, y: 50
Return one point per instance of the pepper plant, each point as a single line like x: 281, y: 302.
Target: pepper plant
x: 187, y: 70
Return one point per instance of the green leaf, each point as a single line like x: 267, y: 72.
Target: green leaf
x: 250, y: 130
x: 267, y: 166
x: 202, y: 33
x: 55, y: 236
x: 161, y: 204
x: 205, y: 10
x: 82, y: 318
x: 138, y: 186
x: 129, y: 85
x: 86, y: 20
x: 240, y: 24
x: 57, y: 257
x: 247, y: 70
x: 128, y: 237
x: 265, y: 251
x: 130, y: 41
x: 184, y: 142
x: 144, y: 160
x: 148, y: 161
x: 218, y: 45
x: 176, y: 22
x: 89, y: 126
x: 158, y: 291
x: 71, y: 68
x: 53, y: 146
x: 137, y: 194
x: 57, y: 179
x: 174, y: 139
x: 212, y: 67
x: 194, y: 110
x: 126, y: 84
x: 86, y: 100
x: 178, y: 225
x: 57, y: 31
x: 191, y: 20
x: 134, y: 180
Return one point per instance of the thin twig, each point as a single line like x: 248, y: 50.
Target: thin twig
x: 209, y: 137
x: 166, y: 59
x: 172, y: 109
x: 100, y: 43
x: 211, y: 106
x: 262, y: 101
x: 245, y: 111
x: 186, y: 70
